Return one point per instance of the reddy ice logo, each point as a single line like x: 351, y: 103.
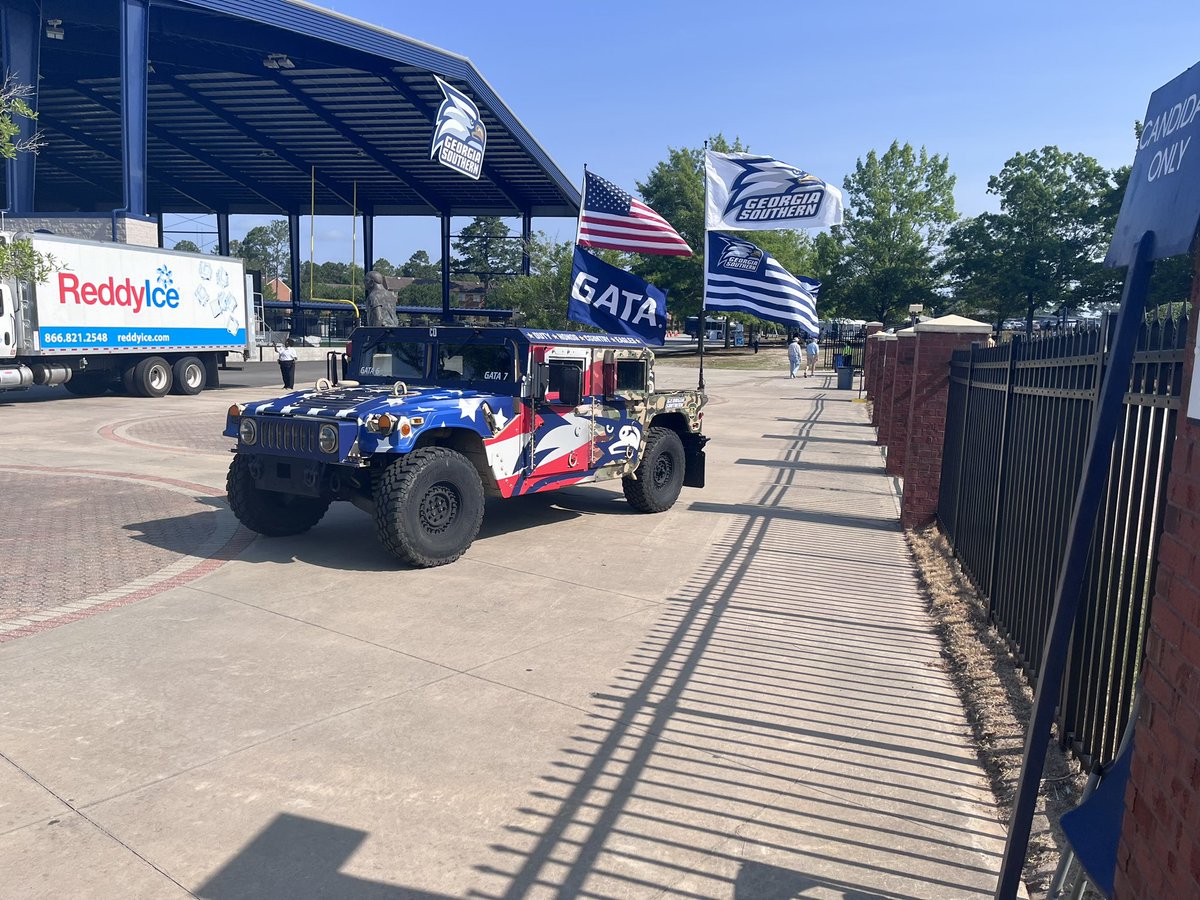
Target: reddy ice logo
x: 111, y: 292
x: 767, y: 190
x: 459, y: 137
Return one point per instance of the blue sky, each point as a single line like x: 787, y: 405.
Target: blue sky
x: 817, y: 84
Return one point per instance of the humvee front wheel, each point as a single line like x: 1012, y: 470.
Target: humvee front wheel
x: 659, y: 475
x: 428, y: 507
x: 272, y: 513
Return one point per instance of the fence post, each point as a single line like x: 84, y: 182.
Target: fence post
x: 962, y: 445
x: 1002, y: 472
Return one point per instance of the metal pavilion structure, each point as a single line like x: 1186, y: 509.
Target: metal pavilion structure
x: 267, y: 107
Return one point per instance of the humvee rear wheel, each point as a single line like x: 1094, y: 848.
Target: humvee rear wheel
x: 428, y: 507
x: 271, y: 513
x: 659, y: 475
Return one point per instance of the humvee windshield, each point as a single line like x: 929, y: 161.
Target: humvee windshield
x: 394, y: 360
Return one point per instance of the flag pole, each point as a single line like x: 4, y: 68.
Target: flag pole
x: 582, y: 204
x: 702, y: 323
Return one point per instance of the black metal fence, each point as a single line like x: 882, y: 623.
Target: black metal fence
x: 1018, y: 420
x: 840, y: 341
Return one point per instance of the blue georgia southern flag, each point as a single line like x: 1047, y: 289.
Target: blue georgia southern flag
x: 616, y: 301
x: 741, y: 277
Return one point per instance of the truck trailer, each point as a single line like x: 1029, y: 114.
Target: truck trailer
x: 140, y: 320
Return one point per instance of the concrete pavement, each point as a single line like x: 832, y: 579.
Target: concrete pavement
x: 742, y: 697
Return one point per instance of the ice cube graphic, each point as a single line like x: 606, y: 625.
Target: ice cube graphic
x: 223, y: 278
x: 226, y: 303
x: 232, y: 325
x: 206, y: 271
x: 202, y: 298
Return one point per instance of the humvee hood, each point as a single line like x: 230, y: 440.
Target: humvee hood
x: 364, y: 400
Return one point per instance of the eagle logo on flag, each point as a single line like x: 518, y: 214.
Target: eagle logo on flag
x: 768, y: 189
x: 459, y: 135
x: 739, y: 256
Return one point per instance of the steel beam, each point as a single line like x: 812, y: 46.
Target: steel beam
x: 335, y: 187
x: 223, y: 233
x: 20, y: 34
x: 374, y: 153
x: 526, y: 240
x: 447, y: 315
x: 189, y: 148
x: 135, y: 51
x: 294, y: 249
x: 368, y: 241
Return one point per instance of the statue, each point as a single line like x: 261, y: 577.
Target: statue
x: 381, y: 303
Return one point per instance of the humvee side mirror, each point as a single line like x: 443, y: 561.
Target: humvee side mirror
x: 572, y: 387
x: 541, y: 380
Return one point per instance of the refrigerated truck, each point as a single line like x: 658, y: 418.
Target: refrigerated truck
x: 118, y: 317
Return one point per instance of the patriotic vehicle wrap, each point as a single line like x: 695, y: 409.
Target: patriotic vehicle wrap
x: 529, y: 411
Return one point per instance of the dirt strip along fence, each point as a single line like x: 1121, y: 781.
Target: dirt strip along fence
x: 1018, y: 420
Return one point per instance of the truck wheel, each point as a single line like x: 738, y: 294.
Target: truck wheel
x: 660, y: 473
x: 428, y: 507
x: 87, y: 385
x: 127, y: 379
x: 152, y: 377
x: 188, y: 376
x: 269, y: 512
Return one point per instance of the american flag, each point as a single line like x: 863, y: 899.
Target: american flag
x: 613, y: 220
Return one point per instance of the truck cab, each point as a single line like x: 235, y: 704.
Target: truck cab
x: 431, y: 420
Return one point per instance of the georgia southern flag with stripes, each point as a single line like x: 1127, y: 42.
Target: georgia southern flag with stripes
x: 742, y: 277
x: 611, y: 219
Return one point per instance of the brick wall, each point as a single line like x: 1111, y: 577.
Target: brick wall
x: 927, y: 420
x: 883, y: 387
x: 1159, y: 854
x: 898, y: 408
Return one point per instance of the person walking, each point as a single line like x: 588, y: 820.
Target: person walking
x: 795, y: 354
x: 287, y: 364
x: 811, y: 349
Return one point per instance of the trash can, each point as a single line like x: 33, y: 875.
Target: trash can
x: 845, y: 375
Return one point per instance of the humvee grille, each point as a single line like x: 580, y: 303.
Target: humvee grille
x: 287, y: 434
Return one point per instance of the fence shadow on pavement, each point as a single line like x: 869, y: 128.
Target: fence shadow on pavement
x: 775, y: 733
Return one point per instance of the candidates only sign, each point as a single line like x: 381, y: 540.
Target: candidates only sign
x: 1163, y: 195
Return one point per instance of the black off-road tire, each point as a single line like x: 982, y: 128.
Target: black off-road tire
x: 659, y: 474
x: 84, y: 385
x: 152, y: 377
x: 188, y: 376
x: 271, y: 513
x: 428, y: 507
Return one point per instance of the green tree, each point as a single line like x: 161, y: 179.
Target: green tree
x: 18, y: 259
x: 540, y: 300
x: 486, y: 248
x: 384, y: 268
x: 675, y: 190
x: 186, y: 246
x: 419, y: 266
x: 1045, y: 246
x: 266, y: 248
x: 898, y: 208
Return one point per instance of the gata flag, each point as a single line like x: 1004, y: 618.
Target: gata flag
x: 742, y: 277
x: 616, y: 301
x: 747, y: 192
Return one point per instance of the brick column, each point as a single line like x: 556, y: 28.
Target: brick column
x: 870, y: 348
x: 1159, y: 854
x: 883, y: 385
x: 900, y: 401
x: 936, y: 340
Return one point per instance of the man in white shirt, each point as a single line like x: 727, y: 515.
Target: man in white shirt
x: 287, y: 364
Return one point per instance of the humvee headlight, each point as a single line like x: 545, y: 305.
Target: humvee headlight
x: 327, y: 438
x: 248, y: 431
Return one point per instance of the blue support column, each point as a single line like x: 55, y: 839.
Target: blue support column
x: 526, y: 237
x: 368, y: 242
x: 223, y: 233
x: 135, y: 49
x: 446, y: 316
x: 21, y: 34
x: 294, y: 254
